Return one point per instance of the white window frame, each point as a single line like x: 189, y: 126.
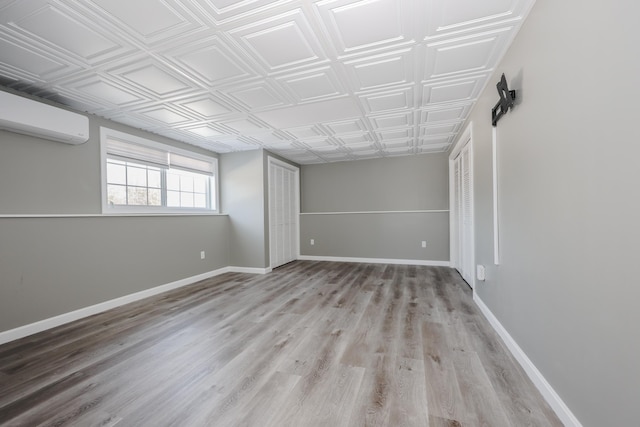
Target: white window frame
x: 106, y: 133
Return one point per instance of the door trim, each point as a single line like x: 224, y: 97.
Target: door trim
x: 466, y: 138
x: 273, y: 161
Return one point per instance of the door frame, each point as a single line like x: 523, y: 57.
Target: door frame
x: 466, y: 138
x: 273, y: 161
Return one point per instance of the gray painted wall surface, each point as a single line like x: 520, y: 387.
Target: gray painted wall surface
x: 242, y: 193
x: 396, y: 236
x: 50, y: 266
x: 566, y: 289
x: 392, y: 184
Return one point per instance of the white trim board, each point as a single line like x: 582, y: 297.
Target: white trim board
x: 110, y: 215
x: 375, y: 260
x: 52, y: 322
x: 373, y: 212
x: 549, y: 394
x: 250, y: 270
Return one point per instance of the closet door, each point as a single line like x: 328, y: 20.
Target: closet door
x: 463, y: 178
x: 283, y: 212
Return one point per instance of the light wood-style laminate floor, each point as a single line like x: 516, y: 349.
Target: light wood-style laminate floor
x: 310, y: 344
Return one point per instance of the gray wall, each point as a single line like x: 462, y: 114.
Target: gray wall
x: 568, y: 177
x: 242, y: 194
x: 391, y: 184
x: 50, y: 266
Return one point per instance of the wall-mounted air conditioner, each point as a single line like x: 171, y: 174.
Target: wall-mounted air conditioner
x: 29, y: 117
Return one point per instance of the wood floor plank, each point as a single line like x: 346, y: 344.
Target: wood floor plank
x: 310, y: 344
x: 443, y: 393
x: 262, y: 410
x: 477, y: 392
x: 410, y: 404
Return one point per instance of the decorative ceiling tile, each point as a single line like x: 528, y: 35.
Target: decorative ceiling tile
x: 361, y: 146
x: 465, y: 55
x: 314, y: 80
x: 394, y: 120
x: 397, y: 145
x: 448, y: 129
x: 445, y: 114
x: 305, y: 132
x: 210, y: 61
x: 281, y: 42
x: 244, y: 126
x: 399, y: 99
x: 449, y: 91
x: 455, y: 16
x: 435, y: 140
x: 165, y: 115
x: 206, y: 107
x: 312, y: 85
x: 401, y: 150
x: 148, y: 20
x: 432, y: 149
x: 257, y: 97
x: 405, y: 134
x: 225, y: 11
x: 383, y: 70
x: 29, y: 61
x: 327, y: 149
x: 102, y: 90
x: 364, y: 25
x: 53, y: 25
x: 346, y: 126
x: 366, y: 154
x: 317, y: 143
x: 354, y: 139
x: 150, y: 76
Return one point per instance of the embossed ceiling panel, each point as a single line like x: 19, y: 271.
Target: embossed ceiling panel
x: 367, y: 24
x: 312, y: 80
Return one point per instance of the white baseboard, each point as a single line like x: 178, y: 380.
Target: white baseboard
x: 250, y: 270
x: 52, y: 322
x: 550, y: 395
x: 375, y: 260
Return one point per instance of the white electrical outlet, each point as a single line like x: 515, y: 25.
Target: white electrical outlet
x: 201, y: 254
x: 424, y: 243
x: 480, y: 272
x: 312, y: 242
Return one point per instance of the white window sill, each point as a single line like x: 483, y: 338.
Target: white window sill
x: 113, y: 214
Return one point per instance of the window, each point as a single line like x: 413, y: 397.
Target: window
x: 143, y: 176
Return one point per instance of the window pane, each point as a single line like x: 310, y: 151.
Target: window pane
x: 137, y: 196
x: 200, y: 185
x: 186, y: 200
x: 200, y: 201
x: 137, y: 176
x: 116, y: 174
x: 117, y: 194
x: 173, y: 198
x: 154, y: 178
x: 186, y: 183
x: 155, y: 197
x: 173, y: 181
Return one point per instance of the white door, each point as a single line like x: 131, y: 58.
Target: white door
x: 283, y: 212
x: 463, y: 182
